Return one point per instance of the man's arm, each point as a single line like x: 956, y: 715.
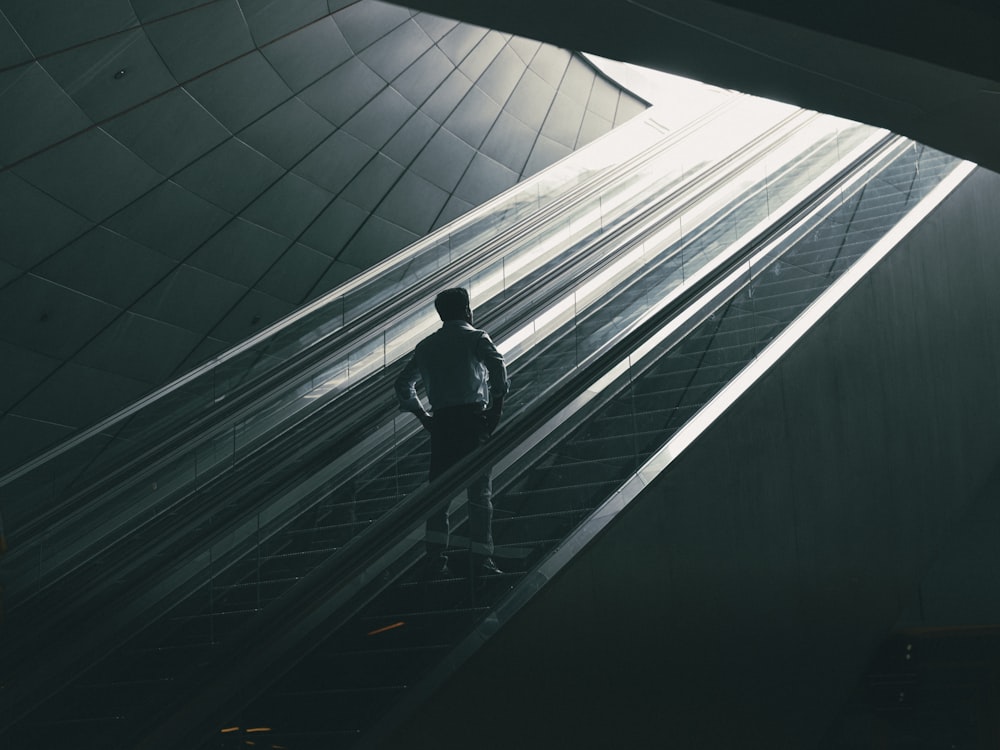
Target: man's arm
x: 406, y: 392
x: 499, y: 383
x: 494, y: 413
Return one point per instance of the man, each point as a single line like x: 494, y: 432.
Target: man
x: 466, y: 380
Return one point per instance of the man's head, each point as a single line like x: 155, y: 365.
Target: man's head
x: 453, y: 304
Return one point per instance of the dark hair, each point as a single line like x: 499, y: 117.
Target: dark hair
x: 451, y: 304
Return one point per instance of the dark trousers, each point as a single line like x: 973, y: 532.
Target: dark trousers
x: 456, y: 432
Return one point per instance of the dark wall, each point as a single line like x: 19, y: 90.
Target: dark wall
x: 736, y: 603
x: 926, y: 70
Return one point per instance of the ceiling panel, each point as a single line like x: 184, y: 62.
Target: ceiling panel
x: 191, y: 299
x: 334, y: 228
x: 393, y: 53
x: 21, y: 371
x: 526, y: 49
x: 78, y: 396
x: 446, y: 97
x: 420, y: 80
x: 107, y: 266
x: 12, y: 49
x: 169, y: 219
x: 380, y: 119
x: 603, y: 99
x: 269, y: 20
x: 92, y: 173
x: 476, y: 62
x: 241, y: 91
x: 410, y: 139
x: 335, y: 161
x: 206, y: 349
x: 24, y: 240
x: 252, y: 313
x: 270, y: 134
x: 484, y: 179
x: 413, y: 203
x: 627, y: 109
x: 50, y: 319
x: 377, y: 239
x: 364, y: 23
x: 335, y: 5
x: 501, y: 77
x: 151, y: 10
x: 240, y: 251
x: 110, y: 75
x: 563, y: 121
x: 545, y: 152
x: 593, y: 126
x: 445, y: 160
x: 295, y: 274
x: 530, y: 101
x: 169, y: 132
x: 48, y: 27
x: 434, y: 26
x: 201, y: 39
x: 550, y: 64
x: 473, y: 117
x: 460, y: 41
x: 454, y: 208
x: 370, y: 185
x: 578, y: 81
x: 336, y: 274
x: 139, y: 348
x: 342, y: 92
x: 34, y: 113
x: 230, y: 176
x: 509, y: 142
x: 288, y: 206
x: 24, y: 437
x: 7, y: 273
x: 305, y: 56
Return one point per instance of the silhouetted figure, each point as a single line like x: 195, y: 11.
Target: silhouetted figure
x: 466, y: 381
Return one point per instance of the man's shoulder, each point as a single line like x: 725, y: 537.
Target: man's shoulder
x: 458, y: 329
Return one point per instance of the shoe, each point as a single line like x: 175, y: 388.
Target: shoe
x: 486, y: 566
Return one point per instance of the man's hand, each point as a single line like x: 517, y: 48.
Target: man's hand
x: 425, y: 419
x: 493, y: 416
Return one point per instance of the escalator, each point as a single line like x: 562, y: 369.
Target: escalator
x: 354, y: 663
x: 120, y: 585
x: 537, y: 507
x: 68, y: 506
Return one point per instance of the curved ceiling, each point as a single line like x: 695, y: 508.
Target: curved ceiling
x: 177, y: 174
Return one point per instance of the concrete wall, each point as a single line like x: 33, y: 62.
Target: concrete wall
x: 736, y: 603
